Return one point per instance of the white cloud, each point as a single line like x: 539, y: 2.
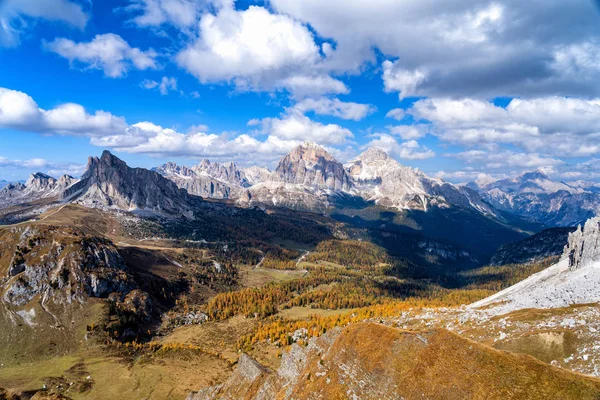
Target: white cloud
x: 397, y: 79
x: 555, y: 125
x: 408, y: 132
x: 41, y: 164
x: 15, y: 16
x: 396, y: 113
x: 148, y: 138
x: 309, y: 85
x: 19, y: 111
x: 296, y: 126
x: 153, y: 13
x: 408, y: 150
x: 149, y: 84
x: 107, y: 52
x: 468, y: 175
x: 476, y: 48
x: 257, y: 50
x: 507, y: 159
x: 164, y: 86
x: 335, y: 108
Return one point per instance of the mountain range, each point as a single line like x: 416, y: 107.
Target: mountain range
x: 535, y: 197
x: 311, y: 179
x: 308, y: 179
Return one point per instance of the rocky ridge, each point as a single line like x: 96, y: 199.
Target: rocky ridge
x: 535, y: 197
x: 575, y: 279
x: 547, y: 243
x: 196, y: 184
x: 38, y: 186
x: 108, y: 182
x: 380, y: 178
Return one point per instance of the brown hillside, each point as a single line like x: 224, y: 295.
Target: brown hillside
x: 371, y: 361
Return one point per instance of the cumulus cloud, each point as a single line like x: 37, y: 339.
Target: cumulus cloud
x: 19, y: 111
x: 154, y: 13
x: 107, y: 52
x: 296, y: 126
x: 396, y: 113
x: 257, y: 50
x: 164, y: 86
x: 16, y: 16
x: 477, y: 48
x: 555, y: 125
x: 408, y: 150
x: 408, y: 132
x: 335, y: 108
x: 148, y: 138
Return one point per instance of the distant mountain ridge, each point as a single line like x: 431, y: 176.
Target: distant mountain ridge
x: 309, y: 178
x: 547, y: 243
x: 38, y: 186
x: 535, y: 197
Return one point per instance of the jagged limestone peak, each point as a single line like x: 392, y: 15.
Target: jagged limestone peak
x: 583, y: 247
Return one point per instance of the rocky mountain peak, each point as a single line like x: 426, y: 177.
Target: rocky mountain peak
x: 583, y: 247
x: 227, y: 172
x: 39, y: 182
x: 311, y: 165
x: 109, y: 182
x: 310, y: 152
x: 373, y: 154
x: 532, y: 175
x: 257, y: 174
x: 172, y: 169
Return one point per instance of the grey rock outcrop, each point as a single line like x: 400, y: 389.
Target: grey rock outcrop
x: 198, y: 183
x: 257, y: 174
x: 583, y: 247
x: 224, y: 172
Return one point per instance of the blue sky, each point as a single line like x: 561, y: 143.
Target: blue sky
x: 466, y: 90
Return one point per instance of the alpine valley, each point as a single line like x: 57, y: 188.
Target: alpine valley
x: 313, y: 280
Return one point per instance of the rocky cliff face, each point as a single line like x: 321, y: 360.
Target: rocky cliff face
x: 307, y: 179
x: 62, y: 266
x: 380, y: 178
x: 256, y: 174
x: 583, y: 247
x: 196, y: 184
x: 575, y: 279
x: 38, y: 186
x: 109, y: 182
x: 224, y: 172
x: 311, y: 166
